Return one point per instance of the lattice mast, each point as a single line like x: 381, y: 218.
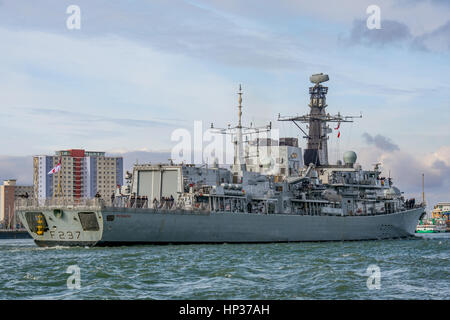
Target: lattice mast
x: 239, y: 161
x: 239, y: 131
x: 316, y: 151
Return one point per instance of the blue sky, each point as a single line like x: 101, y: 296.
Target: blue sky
x: 137, y: 70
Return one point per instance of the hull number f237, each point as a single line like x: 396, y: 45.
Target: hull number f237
x: 65, y: 235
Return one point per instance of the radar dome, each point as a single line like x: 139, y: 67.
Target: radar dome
x: 350, y: 157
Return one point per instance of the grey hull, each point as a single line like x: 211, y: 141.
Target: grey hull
x: 119, y: 226
x: 177, y: 227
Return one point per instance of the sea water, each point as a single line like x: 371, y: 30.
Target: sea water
x: 416, y: 268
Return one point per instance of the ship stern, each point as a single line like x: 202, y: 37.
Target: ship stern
x: 52, y: 224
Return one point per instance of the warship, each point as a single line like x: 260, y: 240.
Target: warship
x: 186, y: 203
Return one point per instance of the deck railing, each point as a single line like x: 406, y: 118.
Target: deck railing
x: 57, y: 203
x: 97, y: 203
x: 138, y: 203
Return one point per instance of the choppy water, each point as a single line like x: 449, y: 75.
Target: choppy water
x: 410, y: 269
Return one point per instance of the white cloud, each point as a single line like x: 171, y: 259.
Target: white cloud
x: 421, y: 16
x: 406, y: 169
x: 82, y: 82
x: 174, y: 64
x: 19, y: 168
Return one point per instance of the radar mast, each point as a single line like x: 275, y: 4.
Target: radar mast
x: 239, y: 165
x: 316, y: 151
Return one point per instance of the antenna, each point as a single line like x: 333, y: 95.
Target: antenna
x: 423, y: 188
x: 389, y: 178
x: 240, y: 106
x: 239, y: 131
x: 317, y: 119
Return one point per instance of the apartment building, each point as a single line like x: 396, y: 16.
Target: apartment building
x: 83, y: 174
x: 9, y: 192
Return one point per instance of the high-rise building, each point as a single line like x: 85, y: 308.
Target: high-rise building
x: 9, y: 192
x: 83, y: 174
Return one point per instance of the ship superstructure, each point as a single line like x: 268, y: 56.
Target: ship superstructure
x: 182, y: 203
x: 316, y: 151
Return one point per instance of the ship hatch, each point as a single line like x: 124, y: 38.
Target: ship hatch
x: 88, y: 221
x: 32, y: 221
x: 57, y: 213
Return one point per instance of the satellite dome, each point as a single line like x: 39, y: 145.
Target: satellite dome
x: 350, y: 157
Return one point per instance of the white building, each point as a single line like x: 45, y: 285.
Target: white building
x: 267, y: 156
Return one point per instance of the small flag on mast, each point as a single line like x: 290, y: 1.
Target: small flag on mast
x: 337, y: 128
x: 57, y: 168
